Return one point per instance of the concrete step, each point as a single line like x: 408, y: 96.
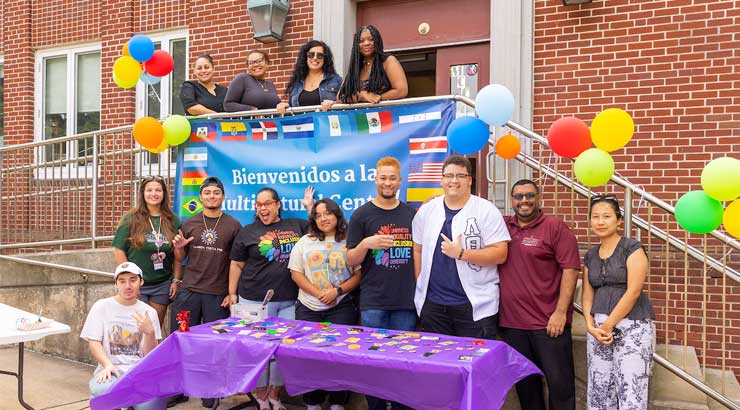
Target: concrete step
x: 668, y: 391
x: 728, y: 386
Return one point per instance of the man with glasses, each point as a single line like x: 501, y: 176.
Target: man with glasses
x: 459, y: 240
x: 537, y: 284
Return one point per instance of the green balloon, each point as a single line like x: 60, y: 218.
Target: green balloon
x: 697, y: 212
x: 720, y: 178
x: 123, y: 84
x: 593, y: 167
x: 176, y: 130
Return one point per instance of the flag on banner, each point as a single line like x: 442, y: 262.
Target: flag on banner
x: 297, y: 128
x: 424, y: 116
x: 428, y: 145
x: 233, y: 131
x: 205, y: 132
x: 421, y: 170
x: 190, y: 181
x: 191, y: 205
x: 334, y: 125
x: 195, y: 157
x: 263, y: 130
x: 374, y: 122
x: 416, y: 196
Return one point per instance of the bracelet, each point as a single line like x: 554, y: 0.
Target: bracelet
x: 177, y: 281
x: 461, y: 253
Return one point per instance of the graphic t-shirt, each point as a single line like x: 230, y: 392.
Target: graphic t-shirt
x: 112, y: 324
x: 265, y: 251
x: 387, y: 274
x: 325, y: 265
x: 207, y: 268
x: 143, y: 257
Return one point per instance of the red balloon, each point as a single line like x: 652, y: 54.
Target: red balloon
x: 160, y: 64
x: 569, y: 136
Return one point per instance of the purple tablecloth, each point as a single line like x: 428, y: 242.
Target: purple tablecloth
x: 421, y: 370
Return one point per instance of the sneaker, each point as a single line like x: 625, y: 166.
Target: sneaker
x: 336, y: 407
x: 175, y: 400
x: 208, y: 403
x: 313, y: 407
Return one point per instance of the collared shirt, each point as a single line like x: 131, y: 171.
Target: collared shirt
x: 530, y: 278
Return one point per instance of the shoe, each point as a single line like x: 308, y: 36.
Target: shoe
x: 175, y: 400
x: 336, y: 407
x: 209, y: 403
x: 276, y: 404
x: 313, y: 407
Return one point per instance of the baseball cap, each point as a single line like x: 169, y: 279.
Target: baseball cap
x: 128, y: 267
x: 212, y: 181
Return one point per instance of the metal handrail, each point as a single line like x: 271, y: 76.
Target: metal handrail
x: 55, y: 266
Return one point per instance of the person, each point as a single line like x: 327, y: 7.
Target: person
x: 144, y: 237
x: 618, y: 314
x: 259, y: 263
x: 318, y: 265
x: 373, y: 75
x: 536, y: 309
x: 120, y: 330
x: 314, y: 80
x: 206, y: 239
x: 379, y: 239
x: 252, y: 90
x: 459, y: 240
x: 202, y: 95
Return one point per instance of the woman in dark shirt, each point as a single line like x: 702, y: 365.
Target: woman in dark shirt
x: 618, y: 314
x: 373, y: 75
x: 202, y: 95
x: 251, y: 90
x: 314, y: 80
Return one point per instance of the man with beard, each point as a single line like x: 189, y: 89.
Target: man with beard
x: 206, y: 240
x: 379, y: 238
x: 537, y: 285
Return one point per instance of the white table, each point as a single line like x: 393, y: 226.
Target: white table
x: 10, y: 335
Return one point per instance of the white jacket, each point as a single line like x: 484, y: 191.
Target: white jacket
x: 480, y: 224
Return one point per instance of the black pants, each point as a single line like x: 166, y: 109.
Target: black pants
x: 456, y: 320
x: 204, y: 308
x: 554, y: 356
x: 344, y: 313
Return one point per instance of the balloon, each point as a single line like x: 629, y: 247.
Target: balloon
x: 121, y: 83
x: 127, y: 69
x: 124, y: 50
x: 147, y: 78
x: 731, y: 218
x: 494, y: 104
x: 176, y: 129
x: 720, y: 178
x: 467, y: 135
x: 148, y: 132
x: 141, y: 48
x: 593, y: 167
x: 160, y: 64
x: 508, y: 146
x: 696, y: 212
x: 163, y: 146
x: 612, y: 129
x: 569, y: 137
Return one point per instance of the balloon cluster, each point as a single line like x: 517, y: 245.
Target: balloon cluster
x: 494, y: 105
x: 140, y: 61
x: 157, y: 137
x: 701, y: 211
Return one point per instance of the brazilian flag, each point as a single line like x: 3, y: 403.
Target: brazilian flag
x: 191, y: 205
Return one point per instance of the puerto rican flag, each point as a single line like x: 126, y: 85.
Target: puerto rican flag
x: 263, y: 130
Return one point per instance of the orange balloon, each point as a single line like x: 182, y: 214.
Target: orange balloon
x: 508, y: 146
x: 124, y: 50
x: 148, y: 132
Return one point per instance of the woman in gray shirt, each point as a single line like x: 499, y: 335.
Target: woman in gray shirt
x: 252, y: 90
x: 618, y: 314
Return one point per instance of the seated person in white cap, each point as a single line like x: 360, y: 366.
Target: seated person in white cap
x: 121, y: 330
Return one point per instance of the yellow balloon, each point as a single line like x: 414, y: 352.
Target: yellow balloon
x: 123, y: 84
x: 731, y: 218
x: 127, y: 69
x: 612, y: 129
x: 163, y: 146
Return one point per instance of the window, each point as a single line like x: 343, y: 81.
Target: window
x: 2, y: 101
x: 67, y: 101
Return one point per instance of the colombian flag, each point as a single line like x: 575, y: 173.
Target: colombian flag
x: 233, y: 131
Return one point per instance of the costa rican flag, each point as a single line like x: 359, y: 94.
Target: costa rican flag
x: 428, y: 145
x: 263, y: 130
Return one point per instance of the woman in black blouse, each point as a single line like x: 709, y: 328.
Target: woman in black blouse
x: 202, y: 95
x: 252, y: 90
x: 618, y: 314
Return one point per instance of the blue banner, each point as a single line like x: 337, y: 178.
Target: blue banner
x: 335, y: 152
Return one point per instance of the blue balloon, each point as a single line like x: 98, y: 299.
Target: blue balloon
x: 467, y: 135
x: 141, y: 48
x: 147, y: 78
x: 494, y: 104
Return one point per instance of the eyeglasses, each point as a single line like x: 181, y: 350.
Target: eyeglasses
x: 453, y: 176
x: 269, y: 202
x: 255, y: 62
x: 607, y: 197
x: 315, y: 54
x: 528, y: 195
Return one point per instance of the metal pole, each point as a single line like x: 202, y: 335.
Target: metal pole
x: 627, y: 212
x: 94, y: 204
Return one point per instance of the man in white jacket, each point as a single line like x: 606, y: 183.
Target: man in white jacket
x: 459, y: 241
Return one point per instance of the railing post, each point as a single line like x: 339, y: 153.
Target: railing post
x: 627, y: 212
x: 94, y: 204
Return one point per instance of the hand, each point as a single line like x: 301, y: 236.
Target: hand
x: 282, y: 107
x: 326, y: 104
x: 601, y: 336
x: 107, y: 374
x: 143, y: 323
x: 378, y: 241
x: 173, y: 289
x: 233, y: 299
x: 227, y: 302
x: 556, y: 324
x: 449, y: 248
x: 328, y: 296
x: 179, y: 240
x: 308, y: 199
x: 372, y: 98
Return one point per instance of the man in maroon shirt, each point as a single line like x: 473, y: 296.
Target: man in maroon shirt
x: 536, y: 309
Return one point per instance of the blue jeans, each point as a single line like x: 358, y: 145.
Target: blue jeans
x: 96, y: 389
x: 387, y: 319
x: 286, y: 310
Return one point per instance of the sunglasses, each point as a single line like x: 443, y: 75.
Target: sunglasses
x: 151, y: 178
x: 315, y: 54
x: 607, y: 197
x: 528, y: 195
x: 269, y: 202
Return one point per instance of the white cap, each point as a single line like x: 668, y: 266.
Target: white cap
x: 128, y: 267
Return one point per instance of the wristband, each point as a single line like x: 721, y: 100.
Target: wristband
x: 461, y: 253
x: 177, y: 281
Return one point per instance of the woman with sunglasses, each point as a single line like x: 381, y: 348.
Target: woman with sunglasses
x: 318, y: 265
x: 259, y: 264
x: 144, y: 236
x: 618, y: 314
x: 314, y: 80
x: 373, y: 75
x: 252, y: 90
x: 202, y: 95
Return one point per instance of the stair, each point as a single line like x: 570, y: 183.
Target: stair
x: 731, y: 388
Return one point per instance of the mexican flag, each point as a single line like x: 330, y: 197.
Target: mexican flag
x: 374, y: 122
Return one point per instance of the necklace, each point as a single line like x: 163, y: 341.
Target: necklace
x: 262, y: 84
x: 209, y: 235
